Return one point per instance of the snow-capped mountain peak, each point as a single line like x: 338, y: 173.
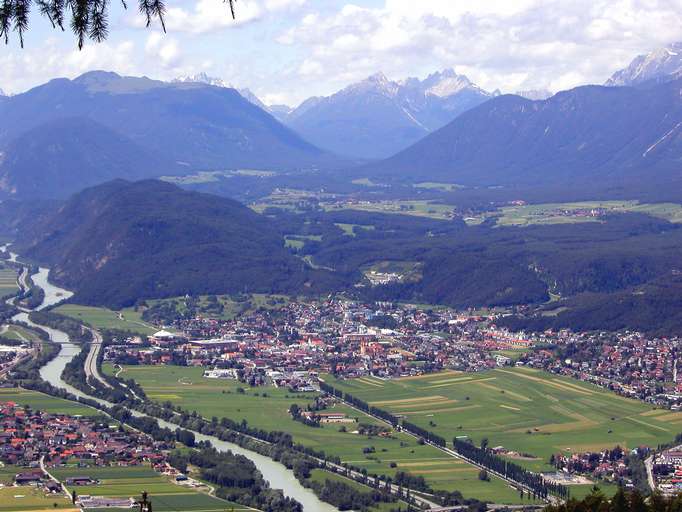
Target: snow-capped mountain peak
x: 202, y: 78
x: 659, y: 63
x: 377, y: 83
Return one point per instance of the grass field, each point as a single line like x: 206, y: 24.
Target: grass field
x: 349, y: 229
x: 524, y: 410
x: 214, y: 397
x: 44, y: 402
x: 8, y: 280
x: 428, y: 209
x: 530, y: 214
x: 18, y: 332
x: 103, y: 318
x: 124, y: 482
x: 232, y: 306
x: 27, y: 498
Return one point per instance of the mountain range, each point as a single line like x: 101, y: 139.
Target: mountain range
x: 62, y: 136
x: 120, y: 241
x: 378, y: 117
x: 593, y: 135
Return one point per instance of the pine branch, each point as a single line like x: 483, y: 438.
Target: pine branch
x: 89, y: 19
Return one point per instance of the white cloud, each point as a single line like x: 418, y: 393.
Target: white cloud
x: 26, y: 68
x: 206, y: 16
x: 499, y: 43
x: 163, y: 49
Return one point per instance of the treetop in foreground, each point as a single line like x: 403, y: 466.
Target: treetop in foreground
x: 88, y: 19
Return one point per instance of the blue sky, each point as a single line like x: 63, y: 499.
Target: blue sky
x: 288, y: 50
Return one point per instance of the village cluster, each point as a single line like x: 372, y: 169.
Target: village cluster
x: 292, y: 344
x: 629, y: 364
x: 38, y: 442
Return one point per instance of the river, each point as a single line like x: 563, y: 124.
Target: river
x: 275, y: 473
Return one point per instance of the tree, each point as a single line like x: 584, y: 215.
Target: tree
x: 89, y: 19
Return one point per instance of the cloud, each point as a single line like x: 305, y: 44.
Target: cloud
x: 500, y: 43
x: 26, y: 68
x: 214, y: 15
x: 163, y: 49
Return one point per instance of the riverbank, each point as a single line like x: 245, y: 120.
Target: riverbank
x: 276, y: 474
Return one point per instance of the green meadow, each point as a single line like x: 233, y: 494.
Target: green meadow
x: 103, y: 318
x: 526, y: 215
x: 129, y: 482
x: 221, y: 398
x: 43, y: 402
x: 534, y: 413
x: 8, y: 280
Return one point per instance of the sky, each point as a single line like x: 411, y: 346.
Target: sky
x: 288, y: 50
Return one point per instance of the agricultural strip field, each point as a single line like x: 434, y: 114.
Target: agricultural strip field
x: 218, y: 397
x: 528, y: 411
x: 43, y: 402
x: 102, y: 318
x: 129, y: 482
x: 8, y: 281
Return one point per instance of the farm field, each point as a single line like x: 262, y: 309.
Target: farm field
x: 8, y: 280
x: 20, y: 333
x: 217, y: 397
x: 125, y: 482
x: 103, y: 318
x: 43, y: 402
x: 27, y: 498
x: 427, y: 209
x: 563, y: 213
x: 534, y: 413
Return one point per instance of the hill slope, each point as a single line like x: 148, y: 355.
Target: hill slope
x: 121, y: 241
x: 590, y: 135
x: 180, y: 127
x: 60, y: 156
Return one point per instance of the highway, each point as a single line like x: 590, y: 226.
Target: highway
x: 91, y: 369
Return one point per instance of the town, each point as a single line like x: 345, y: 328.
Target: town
x: 290, y: 345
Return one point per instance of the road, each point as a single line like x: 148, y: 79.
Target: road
x: 49, y: 475
x: 649, y: 465
x: 91, y: 369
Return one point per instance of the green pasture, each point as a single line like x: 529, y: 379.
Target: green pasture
x: 349, y: 229
x: 103, y: 318
x: 26, y: 498
x: 563, y: 213
x: 427, y: 209
x: 46, y: 403
x: 221, y: 398
x: 8, y: 280
x: 534, y: 413
x: 444, y: 187
x: 20, y: 333
x: 124, y: 482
